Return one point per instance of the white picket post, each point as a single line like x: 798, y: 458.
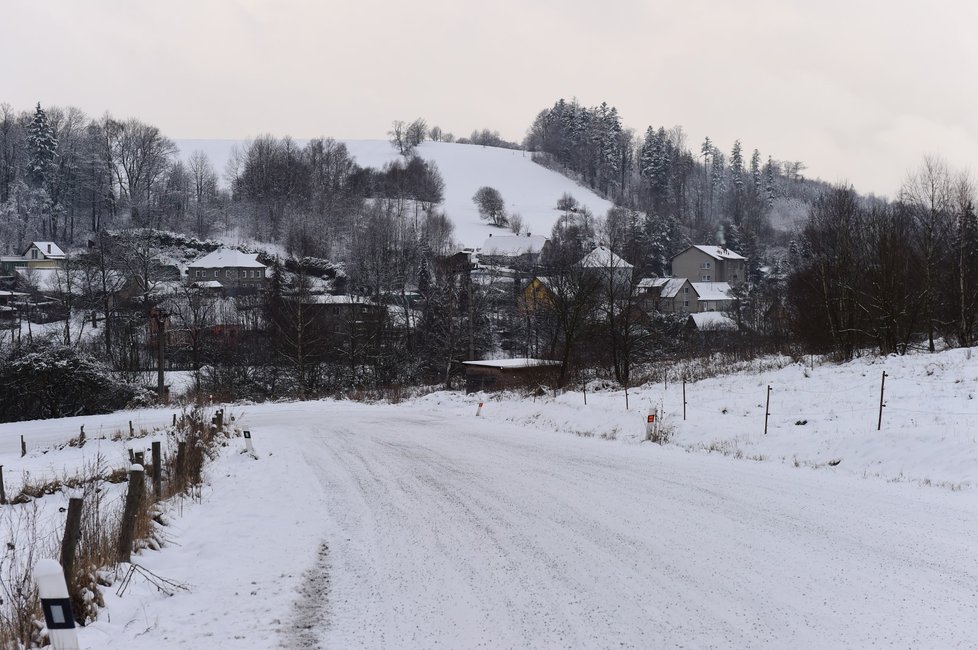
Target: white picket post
x: 56, y: 605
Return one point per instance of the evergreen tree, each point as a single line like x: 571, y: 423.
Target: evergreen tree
x: 755, y: 172
x: 42, y: 147
x: 737, y: 166
x: 770, y: 180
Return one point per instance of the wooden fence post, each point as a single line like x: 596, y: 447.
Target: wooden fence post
x: 70, y: 541
x: 23, y: 447
x: 81, y: 443
x: 134, y: 499
x: 3, y: 488
x: 181, y: 459
x: 157, y: 471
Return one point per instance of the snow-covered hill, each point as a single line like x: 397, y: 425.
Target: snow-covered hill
x: 527, y: 188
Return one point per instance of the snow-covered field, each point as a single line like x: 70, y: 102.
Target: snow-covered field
x: 527, y: 188
x: 419, y: 525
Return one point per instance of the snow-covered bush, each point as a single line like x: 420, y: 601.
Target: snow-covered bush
x: 50, y: 380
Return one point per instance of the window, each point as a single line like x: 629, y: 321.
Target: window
x: 685, y: 289
x: 227, y: 273
x: 705, y: 265
x: 685, y: 303
x: 261, y: 273
x: 199, y: 272
x: 34, y: 254
x: 705, y: 278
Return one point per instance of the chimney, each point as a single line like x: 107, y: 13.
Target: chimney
x: 49, y: 249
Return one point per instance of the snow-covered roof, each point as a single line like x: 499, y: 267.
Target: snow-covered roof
x: 712, y: 290
x: 513, y: 245
x: 512, y: 363
x: 672, y: 286
x: 718, y: 252
x: 9, y: 294
x: 603, y: 258
x: 651, y: 283
x: 330, y: 299
x: 208, y: 284
x: 228, y: 258
x: 49, y: 249
x: 712, y: 320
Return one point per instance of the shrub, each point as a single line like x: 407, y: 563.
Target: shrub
x: 49, y: 380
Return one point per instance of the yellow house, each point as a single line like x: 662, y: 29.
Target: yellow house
x: 43, y: 255
x: 537, y: 294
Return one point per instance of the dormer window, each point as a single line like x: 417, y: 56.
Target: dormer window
x: 34, y: 254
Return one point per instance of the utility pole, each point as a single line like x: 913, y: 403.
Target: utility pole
x: 471, y: 326
x: 160, y: 316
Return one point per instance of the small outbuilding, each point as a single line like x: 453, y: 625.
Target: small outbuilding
x: 497, y: 374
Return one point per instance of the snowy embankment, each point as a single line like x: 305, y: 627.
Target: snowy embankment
x: 419, y: 525
x: 823, y: 416
x: 527, y: 188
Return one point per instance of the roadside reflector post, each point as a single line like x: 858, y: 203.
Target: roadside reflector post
x: 249, y: 448
x: 56, y: 605
x: 650, y: 423
x: 478, y: 411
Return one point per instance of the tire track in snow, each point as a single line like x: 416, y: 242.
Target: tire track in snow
x: 311, y: 609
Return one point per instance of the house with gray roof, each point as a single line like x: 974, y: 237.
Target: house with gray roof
x: 232, y: 269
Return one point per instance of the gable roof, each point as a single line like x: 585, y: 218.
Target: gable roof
x: 670, y: 289
x: 651, y: 283
x: 719, y: 252
x: 513, y: 245
x: 712, y: 290
x: 48, y: 249
x: 603, y: 258
x: 228, y: 258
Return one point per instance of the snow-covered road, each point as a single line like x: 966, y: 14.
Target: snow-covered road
x: 472, y: 534
x: 400, y: 527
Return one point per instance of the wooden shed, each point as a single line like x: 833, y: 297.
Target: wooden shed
x: 497, y: 374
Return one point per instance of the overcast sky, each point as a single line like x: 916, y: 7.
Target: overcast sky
x: 858, y: 90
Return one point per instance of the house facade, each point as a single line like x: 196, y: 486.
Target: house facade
x: 710, y: 264
x: 39, y: 255
x: 679, y: 295
x: 233, y: 269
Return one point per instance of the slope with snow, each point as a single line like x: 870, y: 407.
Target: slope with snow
x: 527, y: 188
